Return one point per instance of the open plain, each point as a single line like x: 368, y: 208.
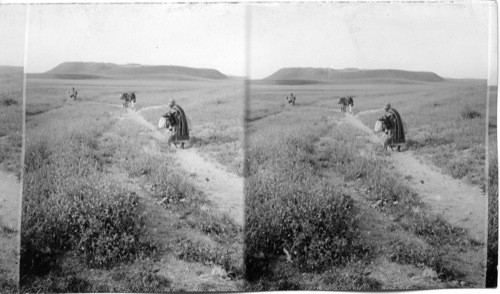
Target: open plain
x: 108, y: 206
x: 327, y: 208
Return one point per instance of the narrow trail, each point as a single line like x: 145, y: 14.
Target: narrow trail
x: 223, y: 188
x: 461, y: 204
x: 10, y: 200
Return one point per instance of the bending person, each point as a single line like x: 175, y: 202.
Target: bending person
x: 179, y: 128
x: 395, y: 131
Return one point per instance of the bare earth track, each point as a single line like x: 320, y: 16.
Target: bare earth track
x: 460, y: 204
x: 220, y: 186
x: 10, y: 195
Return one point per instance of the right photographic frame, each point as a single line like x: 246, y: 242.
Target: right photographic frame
x: 370, y: 146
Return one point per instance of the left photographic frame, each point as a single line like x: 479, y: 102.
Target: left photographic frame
x: 13, y: 36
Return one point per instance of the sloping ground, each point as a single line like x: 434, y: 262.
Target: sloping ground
x: 461, y: 204
x: 328, y: 74
x: 457, y: 202
x: 223, y: 188
x: 110, y: 69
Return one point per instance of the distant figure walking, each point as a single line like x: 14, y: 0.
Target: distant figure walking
x: 128, y: 98
x: 73, y: 93
x: 177, y: 124
x: 291, y: 99
x: 393, y: 127
x: 350, y: 103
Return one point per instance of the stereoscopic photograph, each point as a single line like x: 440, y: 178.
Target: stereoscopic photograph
x: 248, y: 146
x: 366, y: 145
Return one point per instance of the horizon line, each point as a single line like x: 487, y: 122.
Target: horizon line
x: 250, y: 78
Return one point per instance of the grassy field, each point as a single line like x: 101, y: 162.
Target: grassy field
x: 105, y: 206
x: 324, y: 208
x: 11, y: 119
x: 445, y: 126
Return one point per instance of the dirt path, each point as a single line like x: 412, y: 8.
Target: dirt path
x: 223, y: 188
x: 10, y: 199
x: 459, y: 203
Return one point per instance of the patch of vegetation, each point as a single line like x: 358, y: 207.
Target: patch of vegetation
x: 432, y: 258
x: 143, y: 280
x: 11, y: 116
x: 7, y: 285
x: 354, y: 280
x: 189, y: 208
x: 290, y: 211
x: 8, y: 102
x: 57, y: 282
x: 445, y: 125
x: 196, y: 251
x: 69, y: 204
x: 216, y: 114
x: 468, y: 113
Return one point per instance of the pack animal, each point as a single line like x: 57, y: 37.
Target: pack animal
x: 73, y: 93
x: 128, y: 98
x: 346, y: 102
x: 386, y: 126
x: 170, y: 121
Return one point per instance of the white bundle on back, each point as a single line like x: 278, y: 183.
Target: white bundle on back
x: 378, y: 127
x: 162, y: 123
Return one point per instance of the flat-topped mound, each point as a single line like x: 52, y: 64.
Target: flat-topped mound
x: 328, y: 75
x: 111, y: 69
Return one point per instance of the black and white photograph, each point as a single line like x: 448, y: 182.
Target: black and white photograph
x: 133, y: 171
x: 248, y: 146
x: 365, y: 147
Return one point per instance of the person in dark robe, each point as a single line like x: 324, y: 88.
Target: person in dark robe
x: 73, y: 93
x: 178, y: 126
x: 350, y: 103
x: 394, y: 127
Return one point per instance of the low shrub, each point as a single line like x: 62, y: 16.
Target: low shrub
x: 352, y: 280
x: 288, y: 207
x: 411, y: 254
x: 69, y: 204
x: 468, y: 113
x: 102, y: 223
x: 8, y: 102
x: 199, y: 251
x: 142, y: 280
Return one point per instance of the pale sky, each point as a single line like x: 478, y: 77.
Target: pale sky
x: 12, y: 34
x: 450, y: 39
x: 193, y: 35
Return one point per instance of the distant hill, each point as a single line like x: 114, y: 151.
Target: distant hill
x: 328, y: 75
x: 100, y: 69
x: 6, y: 69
